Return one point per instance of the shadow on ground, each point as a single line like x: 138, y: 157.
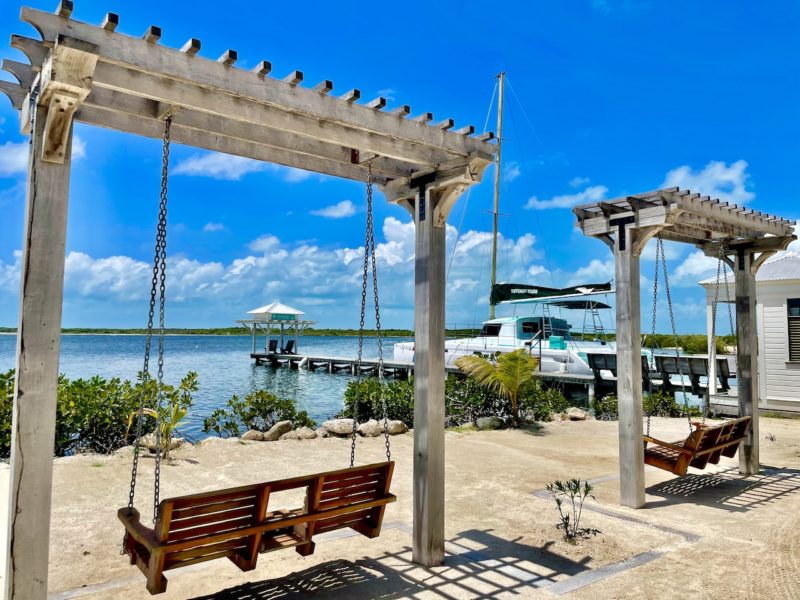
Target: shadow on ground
x: 478, y: 564
x: 728, y: 490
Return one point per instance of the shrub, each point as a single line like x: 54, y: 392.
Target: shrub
x: 466, y: 401
x: 605, y: 408
x: 92, y: 414
x: 661, y: 404
x: 569, y: 497
x: 258, y: 410
x: 369, y: 394
x: 539, y: 401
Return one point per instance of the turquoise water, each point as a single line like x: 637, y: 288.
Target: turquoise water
x: 222, y: 362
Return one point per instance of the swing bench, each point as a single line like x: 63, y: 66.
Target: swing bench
x: 237, y: 524
x: 705, y: 445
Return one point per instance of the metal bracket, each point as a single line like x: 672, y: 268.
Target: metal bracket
x: 57, y: 127
x: 621, y: 222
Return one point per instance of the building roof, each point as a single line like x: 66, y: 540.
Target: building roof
x: 276, y: 308
x: 785, y: 266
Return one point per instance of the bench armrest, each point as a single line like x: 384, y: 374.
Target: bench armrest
x: 136, y: 530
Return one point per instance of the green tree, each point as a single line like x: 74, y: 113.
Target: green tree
x: 506, y: 377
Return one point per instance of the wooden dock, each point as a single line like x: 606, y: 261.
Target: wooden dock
x: 369, y: 366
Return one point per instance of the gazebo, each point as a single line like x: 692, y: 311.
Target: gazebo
x: 744, y: 238
x: 95, y: 75
x: 274, y: 316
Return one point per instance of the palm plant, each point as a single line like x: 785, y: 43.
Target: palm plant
x: 506, y: 377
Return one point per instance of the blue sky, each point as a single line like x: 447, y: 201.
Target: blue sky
x: 605, y: 98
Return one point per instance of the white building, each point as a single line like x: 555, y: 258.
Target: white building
x: 778, y: 328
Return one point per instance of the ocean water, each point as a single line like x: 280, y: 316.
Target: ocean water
x: 223, y: 365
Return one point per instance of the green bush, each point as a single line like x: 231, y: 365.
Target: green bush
x: 465, y: 401
x: 605, y: 408
x: 258, y: 410
x: 92, y: 414
x: 539, y: 401
x: 662, y: 404
x: 368, y: 393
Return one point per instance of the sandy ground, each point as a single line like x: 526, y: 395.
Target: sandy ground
x: 708, y: 535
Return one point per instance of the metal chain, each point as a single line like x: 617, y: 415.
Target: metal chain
x: 731, y: 320
x: 364, y: 280
x: 660, y: 243
x: 714, y: 312
x: 162, y: 223
x: 655, y: 312
x: 157, y: 286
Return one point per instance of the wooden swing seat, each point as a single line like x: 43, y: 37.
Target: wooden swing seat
x: 703, y: 446
x: 234, y: 523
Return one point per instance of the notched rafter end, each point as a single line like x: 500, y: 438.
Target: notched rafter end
x: 294, y: 78
x: 426, y: 117
x: 228, y: 58
x: 376, y: 104
x: 263, y: 68
x: 324, y: 87
x: 485, y: 137
x: 191, y: 47
x: 153, y: 34
x: 401, y: 111
x: 466, y: 130
x: 351, y: 95
x: 110, y: 22
x: 446, y: 124
x: 65, y: 8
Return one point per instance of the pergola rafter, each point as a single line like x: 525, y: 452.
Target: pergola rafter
x: 95, y: 75
x: 743, y: 237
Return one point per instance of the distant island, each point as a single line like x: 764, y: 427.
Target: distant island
x: 311, y: 332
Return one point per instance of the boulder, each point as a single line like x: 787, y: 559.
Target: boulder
x: 149, y: 441
x: 302, y: 433
x: 339, y: 427
x: 322, y: 432
x: 397, y: 427
x: 371, y: 428
x: 489, y: 423
x: 253, y: 435
x: 277, y: 430
x: 576, y: 414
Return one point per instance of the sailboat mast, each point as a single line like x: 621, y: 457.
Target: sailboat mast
x: 496, y: 210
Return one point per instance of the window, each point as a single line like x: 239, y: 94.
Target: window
x: 793, y: 308
x: 490, y: 330
x: 530, y: 327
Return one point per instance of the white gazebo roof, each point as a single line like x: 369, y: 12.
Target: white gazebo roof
x: 276, y: 308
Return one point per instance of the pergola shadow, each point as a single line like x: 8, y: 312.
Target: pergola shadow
x: 478, y: 564
x: 728, y: 490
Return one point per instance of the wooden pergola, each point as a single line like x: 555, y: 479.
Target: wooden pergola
x: 747, y: 239
x: 92, y: 74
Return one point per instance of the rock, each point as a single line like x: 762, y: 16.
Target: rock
x: 339, y: 427
x: 253, y: 435
x: 371, y: 428
x: 302, y: 433
x: 277, y: 431
x: 322, y: 432
x: 211, y: 440
x: 397, y: 427
x: 489, y: 423
x: 149, y: 441
x: 576, y: 414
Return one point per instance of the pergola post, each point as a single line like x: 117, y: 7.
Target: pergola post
x: 629, y: 368
x: 38, y: 342
x: 429, y: 375
x: 747, y: 357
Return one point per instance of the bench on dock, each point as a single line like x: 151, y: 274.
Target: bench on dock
x: 235, y: 523
x: 693, y: 367
x: 608, y: 362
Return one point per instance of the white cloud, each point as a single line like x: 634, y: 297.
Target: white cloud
x: 672, y: 250
x: 511, y: 171
x: 78, y: 148
x: 293, y: 175
x: 211, y: 227
x: 340, y: 210
x: 218, y: 166
x: 594, y: 193
x: 13, y: 158
x: 695, y: 267
x: 265, y: 243
x: 577, y: 182
x: 597, y: 271
x: 716, y: 179
x: 388, y: 93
